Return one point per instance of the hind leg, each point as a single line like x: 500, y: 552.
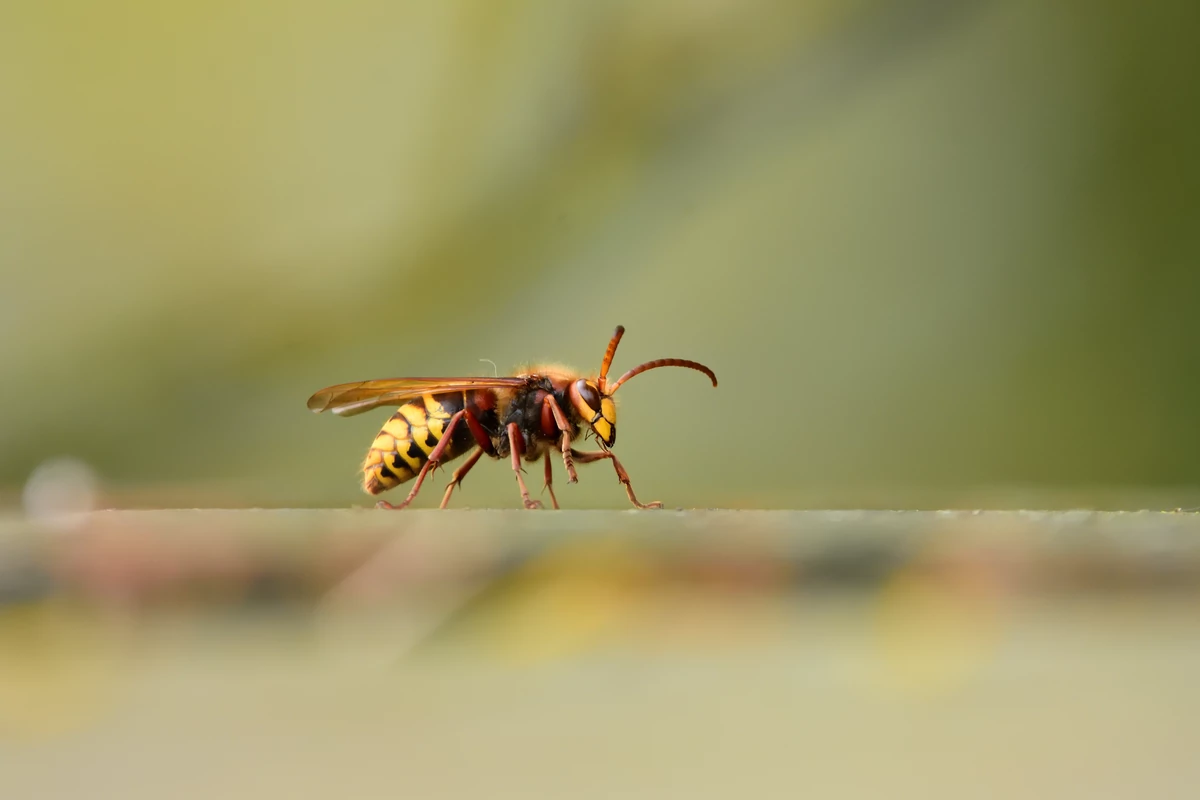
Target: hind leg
x: 435, y: 460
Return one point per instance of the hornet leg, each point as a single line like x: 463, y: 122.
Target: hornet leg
x: 622, y: 475
x: 435, y: 460
x: 517, y: 445
x: 550, y: 481
x: 560, y: 419
x: 459, y: 474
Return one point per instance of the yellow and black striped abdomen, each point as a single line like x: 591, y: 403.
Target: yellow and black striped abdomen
x: 403, y: 445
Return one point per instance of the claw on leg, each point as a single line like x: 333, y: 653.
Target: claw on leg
x: 622, y: 475
x: 459, y: 474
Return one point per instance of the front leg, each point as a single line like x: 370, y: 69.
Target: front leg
x: 516, y: 444
x: 622, y: 475
x: 560, y: 420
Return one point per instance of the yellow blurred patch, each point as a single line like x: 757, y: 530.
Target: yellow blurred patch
x: 934, y: 632
x: 572, y: 600
x: 58, y: 668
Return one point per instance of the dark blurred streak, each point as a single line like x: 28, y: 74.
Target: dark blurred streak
x: 146, y: 560
x: 853, y: 565
x: 24, y: 579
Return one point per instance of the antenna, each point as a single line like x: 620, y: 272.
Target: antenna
x: 663, y: 362
x: 608, y: 357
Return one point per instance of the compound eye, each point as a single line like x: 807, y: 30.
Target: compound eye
x: 588, y: 394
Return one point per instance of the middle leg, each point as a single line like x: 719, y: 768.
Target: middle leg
x: 516, y: 444
x: 550, y: 480
x: 459, y: 474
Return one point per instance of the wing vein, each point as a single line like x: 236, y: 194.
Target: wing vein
x: 348, y: 399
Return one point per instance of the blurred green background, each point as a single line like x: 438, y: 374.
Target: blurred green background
x: 938, y: 253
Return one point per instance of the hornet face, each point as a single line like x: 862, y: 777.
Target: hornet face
x: 597, y: 409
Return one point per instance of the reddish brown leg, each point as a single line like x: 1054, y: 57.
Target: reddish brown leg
x: 550, y: 480
x: 622, y: 475
x: 517, y: 445
x: 478, y: 433
x: 435, y: 461
x: 560, y: 419
x: 459, y: 474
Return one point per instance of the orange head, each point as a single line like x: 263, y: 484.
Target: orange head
x: 593, y: 400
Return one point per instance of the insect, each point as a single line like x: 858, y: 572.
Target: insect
x: 530, y: 416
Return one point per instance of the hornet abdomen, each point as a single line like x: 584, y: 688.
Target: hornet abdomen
x: 404, y: 443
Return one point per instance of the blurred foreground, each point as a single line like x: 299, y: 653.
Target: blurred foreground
x: 599, y: 654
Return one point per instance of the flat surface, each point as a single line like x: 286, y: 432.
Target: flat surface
x: 1132, y: 533
x: 1064, y: 549
x: 600, y: 654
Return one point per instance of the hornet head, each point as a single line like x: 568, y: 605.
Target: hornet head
x: 593, y: 400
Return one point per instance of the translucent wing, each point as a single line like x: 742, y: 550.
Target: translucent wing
x: 348, y: 399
